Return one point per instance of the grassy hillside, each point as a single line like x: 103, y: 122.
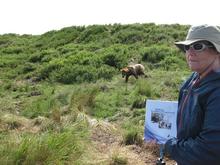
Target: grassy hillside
x: 63, y: 100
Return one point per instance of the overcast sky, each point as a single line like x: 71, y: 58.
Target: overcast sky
x: 40, y: 16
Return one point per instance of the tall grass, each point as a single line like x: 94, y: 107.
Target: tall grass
x: 132, y: 136
x: 46, y: 148
x: 39, y: 107
x: 143, y: 87
x: 83, y: 99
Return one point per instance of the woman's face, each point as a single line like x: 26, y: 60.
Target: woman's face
x: 200, y: 60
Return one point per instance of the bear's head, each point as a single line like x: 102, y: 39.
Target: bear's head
x: 124, y: 71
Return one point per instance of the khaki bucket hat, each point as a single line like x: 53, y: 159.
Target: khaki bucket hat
x: 202, y: 33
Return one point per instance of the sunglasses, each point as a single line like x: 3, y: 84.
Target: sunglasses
x: 198, y: 47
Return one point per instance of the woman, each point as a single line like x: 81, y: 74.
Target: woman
x: 198, y: 120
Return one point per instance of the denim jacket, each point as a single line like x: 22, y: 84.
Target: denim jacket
x: 198, y: 122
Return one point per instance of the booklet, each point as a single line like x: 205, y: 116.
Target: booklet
x: 160, y: 120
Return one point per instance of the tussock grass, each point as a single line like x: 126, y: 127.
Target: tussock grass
x: 83, y: 98
x: 118, y: 160
x: 144, y: 88
x: 13, y: 122
x: 45, y: 148
x: 132, y: 136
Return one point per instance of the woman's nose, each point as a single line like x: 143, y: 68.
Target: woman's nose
x: 190, y: 52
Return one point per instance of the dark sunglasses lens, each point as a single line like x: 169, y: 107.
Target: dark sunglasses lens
x: 186, y: 47
x: 198, y: 46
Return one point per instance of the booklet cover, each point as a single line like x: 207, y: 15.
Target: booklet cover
x: 160, y: 120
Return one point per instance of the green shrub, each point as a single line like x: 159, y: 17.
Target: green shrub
x: 106, y: 72
x: 28, y: 67
x: 53, y: 66
x: 37, y: 57
x: 7, y: 85
x: 43, y: 56
x: 173, y: 63
x: 75, y: 74
x: 13, y: 50
x: 116, y: 56
x: 114, y: 60
x: 156, y: 53
x: 94, y: 33
x: 83, y: 57
x: 130, y: 36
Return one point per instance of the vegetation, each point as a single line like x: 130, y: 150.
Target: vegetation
x: 58, y: 87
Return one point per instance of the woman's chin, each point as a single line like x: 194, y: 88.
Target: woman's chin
x: 194, y: 69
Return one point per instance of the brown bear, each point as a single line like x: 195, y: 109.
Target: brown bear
x: 135, y: 70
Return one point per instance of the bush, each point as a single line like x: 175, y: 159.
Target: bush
x: 36, y: 57
x: 173, y: 63
x: 156, y: 53
x: 81, y: 73
x: 130, y: 36
x: 74, y: 74
x: 94, y: 33
x: 106, y: 72
x: 43, y: 55
x: 28, y: 67
x: 116, y: 56
x: 53, y: 66
x: 13, y: 50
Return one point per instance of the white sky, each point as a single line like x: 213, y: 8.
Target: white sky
x: 40, y: 16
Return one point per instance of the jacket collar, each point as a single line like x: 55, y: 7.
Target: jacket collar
x: 212, y: 76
